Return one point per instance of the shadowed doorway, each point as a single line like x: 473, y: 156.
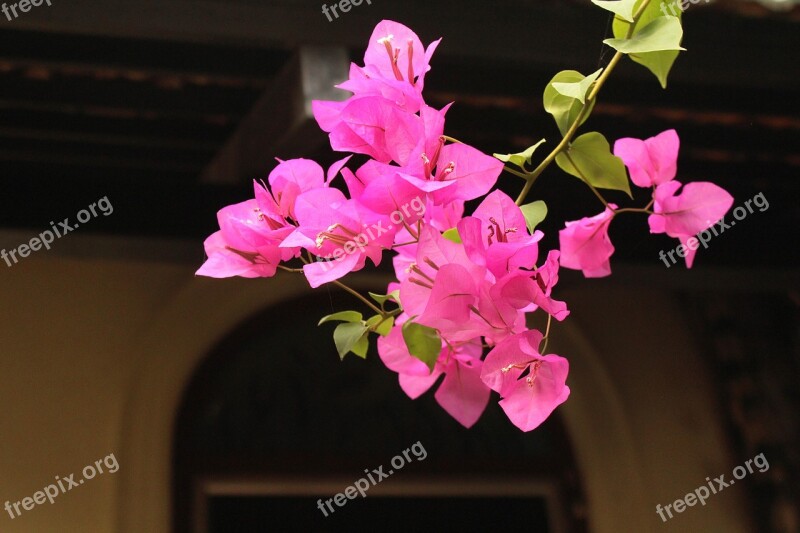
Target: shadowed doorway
x: 273, y: 422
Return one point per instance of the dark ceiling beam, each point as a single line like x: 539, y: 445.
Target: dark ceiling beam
x: 561, y: 34
x: 281, y: 123
x: 57, y: 135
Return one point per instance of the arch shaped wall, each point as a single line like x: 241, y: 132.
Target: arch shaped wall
x: 639, y: 438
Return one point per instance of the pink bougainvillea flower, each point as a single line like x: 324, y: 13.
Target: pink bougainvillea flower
x: 339, y: 231
x: 531, y: 385
x: 504, y: 231
x: 585, y: 244
x: 296, y: 176
x: 223, y: 262
x: 247, y: 243
x: 401, y: 93
x: 462, y: 393
x: 433, y: 252
x: 699, y: 206
x: 396, y: 53
x: 651, y: 161
x: 361, y: 123
x: 531, y: 290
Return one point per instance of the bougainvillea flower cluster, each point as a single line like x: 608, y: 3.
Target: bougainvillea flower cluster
x: 465, y: 285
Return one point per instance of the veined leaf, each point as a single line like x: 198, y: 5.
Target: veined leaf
x: 534, y: 213
x: 342, y: 316
x: 382, y: 298
x: 565, y: 109
x: 659, y: 63
x: 664, y: 33
x: 385, y: 325
x: 347, y: 335
x: 577, y: 89
x: 423, y: 343
x: 621, y: 8
x: 519, y: 159
x: 595, y: 163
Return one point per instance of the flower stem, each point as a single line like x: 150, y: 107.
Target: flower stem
x: 531, y: 179
x: 586, y: 181
x: 360, y: 297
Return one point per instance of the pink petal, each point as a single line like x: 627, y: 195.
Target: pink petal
x: 698, y: 207
x: 321, y: 272
x: 414, y: 386
x: 462, y: 393
x: 585, y: 244
x: 652, y: 161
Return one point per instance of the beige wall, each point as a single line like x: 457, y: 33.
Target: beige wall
x: 94, y: 356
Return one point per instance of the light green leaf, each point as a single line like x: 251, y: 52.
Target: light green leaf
x: 565, y: 109
x: 452, y: 235
x: 519, y: 159
x: 385, y: 325
x: 423, y: 343
x: 622, y: 8
x: 347, y: 335
x: 659, y: 63
x: 361, y: 347
x: 664, y: 33
x: 534, y: 213
x: 577, y: 89
x: 343, y: 316
x: 595, y: 163
x: 382, y: 298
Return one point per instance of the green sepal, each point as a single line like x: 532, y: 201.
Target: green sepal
x: 452, y: 235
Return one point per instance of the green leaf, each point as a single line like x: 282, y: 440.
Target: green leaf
x: 534, y: 213
x: 664, y: 33
x: 519, y: 159
x: 595, y: 163
x: 659, y: 63
x: 565, y: 109
x: 382, y: 298
x: 452, y: 235
x: 347, y: 335
x: 423, y: 343
x: 361, y: 347
x: 622, y: 8
x: 343, y: 316
x: 385, y: 325
x: 577, y: 89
